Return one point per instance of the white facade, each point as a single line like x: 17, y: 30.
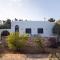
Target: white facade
x: 34, y: 25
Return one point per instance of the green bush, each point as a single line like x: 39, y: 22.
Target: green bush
x: 40, y: 43
x: 39, y: 40
x: 15, y: 41
x: 1, y: 46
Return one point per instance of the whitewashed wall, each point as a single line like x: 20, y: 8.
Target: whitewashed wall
x: 46, y: 25
x: 34, y: 25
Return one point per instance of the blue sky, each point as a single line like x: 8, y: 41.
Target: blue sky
x: 29, y: 9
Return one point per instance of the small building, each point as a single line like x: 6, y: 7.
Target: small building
x: 43, y: 28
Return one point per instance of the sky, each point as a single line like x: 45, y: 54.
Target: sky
x: 30, y: 9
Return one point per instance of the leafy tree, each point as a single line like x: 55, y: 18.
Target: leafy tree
x: 51, y: 20
x: 16, y: 19
x: 56, y: 29
x: 6, y: 24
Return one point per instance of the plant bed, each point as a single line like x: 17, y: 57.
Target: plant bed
x: 32, y: 50
x: 25, y: 44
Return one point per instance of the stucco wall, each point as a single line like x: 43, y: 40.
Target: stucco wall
x: 46, y: 25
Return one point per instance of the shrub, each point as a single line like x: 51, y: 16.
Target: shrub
x: 15, y: 42
x: 53, y: 43
x: 39, y: 40
x: 1, y: 46
x: 40, y: 44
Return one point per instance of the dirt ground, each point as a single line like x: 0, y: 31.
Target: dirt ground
x: 24, y: 57
x: 11, y: 56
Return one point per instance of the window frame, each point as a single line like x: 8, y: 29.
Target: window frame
x: 41, y: 31
x: 29, y: 32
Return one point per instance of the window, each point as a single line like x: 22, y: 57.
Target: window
x: 16, y: 28
x: 40, y: 30
x: 28, y: 30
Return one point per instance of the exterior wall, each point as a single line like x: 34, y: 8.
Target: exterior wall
x: 34, y: 25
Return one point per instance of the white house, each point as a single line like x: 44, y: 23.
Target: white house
x: 43, y: 28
